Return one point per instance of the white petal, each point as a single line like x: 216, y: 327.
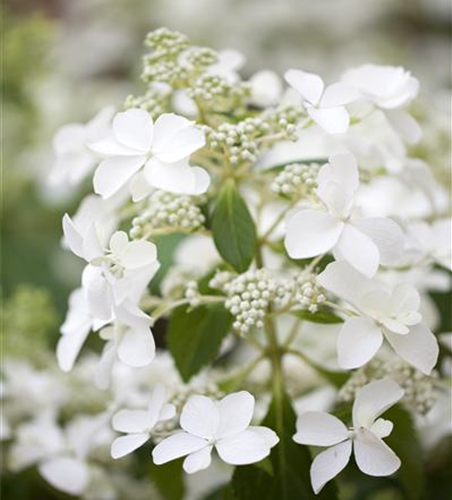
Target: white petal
x: 244, y: 448
x: 373, y: 456
x: 139, y: 254
x: 200, y: 417
x: 310, y: 233
x: 167, y: 412
x: 139, y: 187
x: 309, y: 85
x: 329, y: 464
x: 373, y: 400
x: 358, y: 341
x: 346, y: 282
x: 110, y: 147
x: 338, y: 181
x: 133, y: 128
x: 102, y: 375
x: 174, y: 141
x: 130, y: 421
x: 72, y: 236
x: 158, y: 398
x: 202, y: 180
x: 338, y: 94
x: 382, y: 428
x: 331, y: 120
x: 66, y: 474
x: 386, y: 234
x: 199, y: 460
x: 177, y: 178
x: 405, y: 125
x: 124, y: 445
x: 358, y: 250
x: 69, y: 346
x: 118, y: 243
x: 137, y: 347
x: 113, y: 173
x: 405, y: 298
x: 318, y: 428
x: 236, y: 411
x: 166, y: 126
x: 270, y: 436
x: 419, y: 347
x: 176, y: 446
x: 97, y: 292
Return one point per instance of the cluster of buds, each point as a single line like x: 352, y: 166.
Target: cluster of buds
x: 156, y: 100
x: 238, y: 142
x: 297, y: 180
x: 192, y: 294
x: 164, y: 43
x: 167, y: 210
x: 226, y: 94
x: 306, y: 293
x: 419, y: 389
x: 284, y: 121
x: 249, y: 297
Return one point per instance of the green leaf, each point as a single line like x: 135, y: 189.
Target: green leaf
x: 291, y: 463
x: 324, y: 316
x: 168, y: 479
x: 233, y: 228
x: 166, y: 246
x: 195, y: 336
x: 405, y: 443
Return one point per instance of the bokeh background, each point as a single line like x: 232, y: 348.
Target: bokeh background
x: 65, y: 59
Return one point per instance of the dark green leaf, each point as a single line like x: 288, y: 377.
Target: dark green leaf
x: 168, y: 479
x: 195, y: 336
x: 291, y: 463
x: 166, y: 246
x: 405, y: 443
x: 233, y: 228
x: 324, y: 316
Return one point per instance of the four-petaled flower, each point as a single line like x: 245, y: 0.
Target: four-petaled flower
x: 391, y: 313
x: 363, y: 242
x: 138, y: 424
x: 326, y: 106
x: 163, y: 148
x: 223, y: 425
x: 372, y: 455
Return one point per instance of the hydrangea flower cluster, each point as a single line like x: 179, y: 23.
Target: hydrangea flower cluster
x: 288, y: 242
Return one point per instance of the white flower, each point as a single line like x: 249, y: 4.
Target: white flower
x: 74, y: 161
x: 163, y: 149
x: 228, y: 64
x: 138, y: 424
x: 324, y: 105
x: 372, y: 455
x: 224, y: 425
x: 60, y: 454
x: 387, y: 87
x: 390, y: 313
x: 432, y: 241
x: 363, y: 242
x: 129, y: 339
x: 74, y: 331
x: 122, y: 272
